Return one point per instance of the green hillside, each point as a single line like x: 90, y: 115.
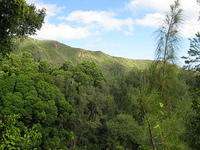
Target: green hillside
x: 56, y: 53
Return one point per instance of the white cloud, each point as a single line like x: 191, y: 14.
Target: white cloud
x: 55, y: 31
x: 107, y: 20
x: 190, y: 28
x: 152, y: 20
x: 159, y: 7
x: 163, y: 5
x: 94, y: 23
x: 89, y: 23
x: 62, y: 32
x: 150, y: 4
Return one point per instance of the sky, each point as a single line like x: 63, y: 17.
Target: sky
x: 123, y: 28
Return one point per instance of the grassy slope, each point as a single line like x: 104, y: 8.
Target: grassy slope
x: 56, y: 53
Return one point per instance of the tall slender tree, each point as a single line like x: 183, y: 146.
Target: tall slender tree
x: 169, y: 34
x: 168, y: 39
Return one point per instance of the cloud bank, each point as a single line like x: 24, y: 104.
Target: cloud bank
x: 156, y: 12
x: 80, y: 24
x: 104, y: 19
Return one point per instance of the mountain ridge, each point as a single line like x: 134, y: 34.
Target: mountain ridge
x: 57, y: 53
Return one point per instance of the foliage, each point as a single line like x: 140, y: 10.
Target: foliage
x: 17, y: 18
x: 168, y: 34
x: 193, y: 118
x: 75, y: 106
x: 14, y: 135
x: 192, y: 60
x: 125, y: 131
x: 31, y: 94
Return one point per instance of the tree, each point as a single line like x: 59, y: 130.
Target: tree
x: 26, y: 90
x: 193, y: 126
x: 168, y: 34
x: 193, y: 60
x: 193, y: 118
x: 91, y: 71
x: 156, y: 89
x: 125, y: 132
x: 168, y: 39
x: 167, y: 45
x: 14, y: 135
x: 17, y: 18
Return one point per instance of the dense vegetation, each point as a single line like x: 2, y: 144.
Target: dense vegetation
x: 75, y: 107
x: 82, y: 106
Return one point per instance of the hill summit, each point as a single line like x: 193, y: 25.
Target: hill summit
x: 57, y: 53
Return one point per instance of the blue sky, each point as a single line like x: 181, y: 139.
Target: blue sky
x: 123, y: 28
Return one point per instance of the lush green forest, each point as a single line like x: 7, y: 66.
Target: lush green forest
x: 56, y: 97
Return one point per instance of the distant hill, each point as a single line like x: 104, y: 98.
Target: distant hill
x: 56, y: 53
